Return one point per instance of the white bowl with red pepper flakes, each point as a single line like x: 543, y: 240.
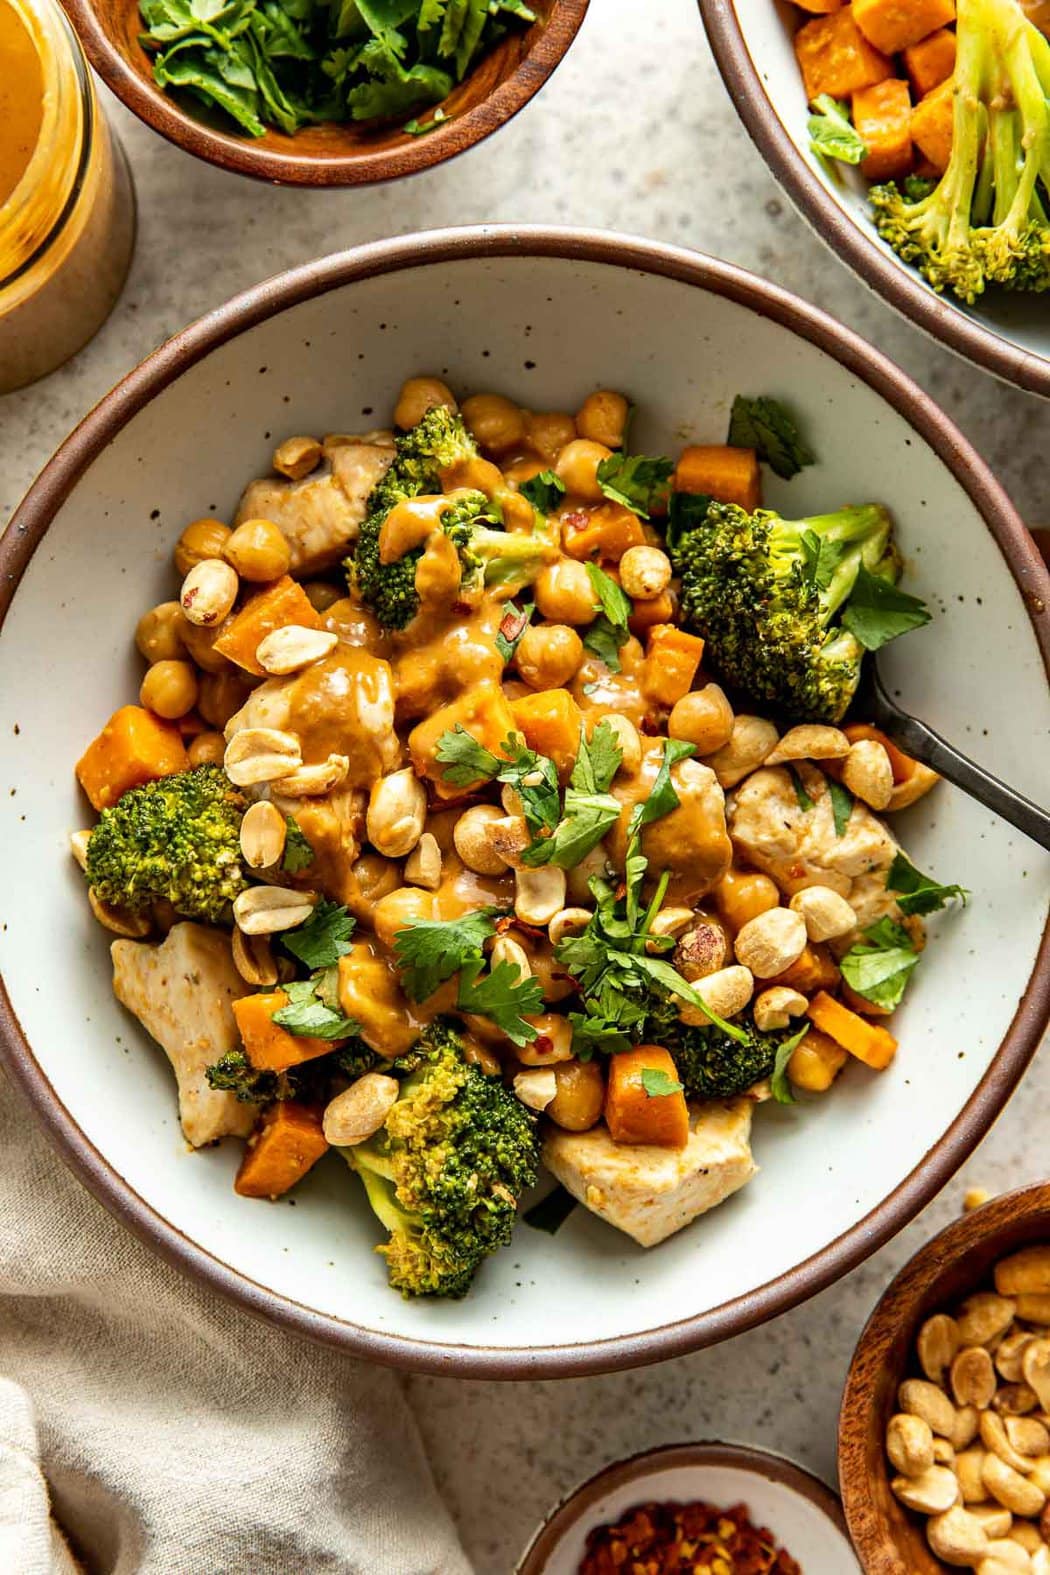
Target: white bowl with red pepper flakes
x: 725, y: 1509
x: 546, y: 318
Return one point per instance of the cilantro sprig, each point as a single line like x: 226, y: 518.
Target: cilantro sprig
x: 589, y: 808
x: 609, y: 631
x: 917, y: 893
x: 640, y: 482
x: 544, y: 491
x: 429, y: 951
x: 323, y: 938
x: 771, y: 430
x: 503, y: 996
x: 313, y: 1008
x: 879, y: 965
x: 878, y: 611
x: 298, y: 850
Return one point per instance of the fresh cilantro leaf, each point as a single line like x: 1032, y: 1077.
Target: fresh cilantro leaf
x: 639, y: 481
x: 597, y: 760
x: 821, y: 558
x: 323, y: 938
x: 308, y: 1015
x: 879, y: 965
x: 298, y: 850
x: 544, y: 491
x: 419, y: 128
x: 841, y: 805
x: 604, y: 641
x: 877, y: 611
x: 918, y: 893
x: 594, y: 1034
x: 832, y: 133
x: 778, y: 1083
x: 551, y: 1212
x: 766, y: 426
x: 662, y: 795
x: 429, y: 951
x: 614, y: 601
x: 805, y: 803
x: 465, y: 760
x: 657, y: 1083
x: 589, y: 810
x: 503, y: 996
x: 513, y: 624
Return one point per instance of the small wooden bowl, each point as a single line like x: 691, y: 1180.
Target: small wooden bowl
x: 501, y: 83
x: 889, y: 1539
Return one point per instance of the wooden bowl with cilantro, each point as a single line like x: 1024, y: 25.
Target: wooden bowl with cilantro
x: 302, y: 93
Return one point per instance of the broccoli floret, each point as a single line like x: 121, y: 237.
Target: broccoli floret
x: 985, y: 222
x: 710, y: 1065
x: 233, y: 1073
x: 445, y: 1171
x: 177, y: 840
x: 764, y: 591
x: 488, y: 554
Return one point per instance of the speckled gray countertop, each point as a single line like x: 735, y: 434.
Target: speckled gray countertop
x: 634, y: 132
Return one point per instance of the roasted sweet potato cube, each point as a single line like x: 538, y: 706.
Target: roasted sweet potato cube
x: 550, y: 724
x: 289, y: 1142
x: 727, y: 474
x: 671, y: 663
x: 930, y: 62
x: 891, y: 25
x: 931, y: 125
x: 483, y: 712
x: 835, y: 57
x: 882, y: 116
x: 268, y: 1046
x: 274, y: 607
x: 134, y: 747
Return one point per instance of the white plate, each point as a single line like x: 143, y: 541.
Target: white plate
x: 544, y: 316
x: 1008, y: 334
x: 802, y: 1513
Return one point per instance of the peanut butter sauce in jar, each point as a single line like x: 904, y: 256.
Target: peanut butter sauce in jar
x: 67, y: 209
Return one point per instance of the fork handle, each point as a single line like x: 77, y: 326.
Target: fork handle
x: 920, y: 741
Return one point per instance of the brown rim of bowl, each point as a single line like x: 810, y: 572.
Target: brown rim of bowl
x: 899, y: 1303
x: 28, y: 527
x: 742, y: 1457
x: 229, y: 151
x: 876, y: 265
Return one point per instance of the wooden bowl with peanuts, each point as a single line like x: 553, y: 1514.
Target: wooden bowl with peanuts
x: 944, y: 1432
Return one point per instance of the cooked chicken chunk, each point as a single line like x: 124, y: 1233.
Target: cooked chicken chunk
x: 691, y: 842
x: 343, y: 705
x: 320, y: 516
x: 800, y: 847
x: 651, y: 1192
x: 181, y: 993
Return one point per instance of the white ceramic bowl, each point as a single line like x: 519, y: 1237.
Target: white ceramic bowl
x: 752, y: 42
x: 545, y: 316
x: 802, y: 1512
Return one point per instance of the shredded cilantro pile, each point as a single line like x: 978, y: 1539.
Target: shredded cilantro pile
x: 287, y: 64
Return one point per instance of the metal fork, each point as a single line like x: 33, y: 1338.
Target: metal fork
x: 923, y: 744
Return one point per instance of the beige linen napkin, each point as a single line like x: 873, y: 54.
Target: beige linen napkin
x: 175, y: 1433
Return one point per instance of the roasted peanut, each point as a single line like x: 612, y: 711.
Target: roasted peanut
x: 726, y: 992
x: 396, y: 815
x: 909, y: 1444
x: 473, y: 842
x: 983, y: 1316
x: 995, y: 1520
x: 824, y: 912
x: 566, y: 922
x: 969, y: 1465
x: 208, y: 592
x: 253, y: 958
x: 264, y: 831
x: 296, y: 457
x: 314, y: 781
x: 920, y: 1398
x: 360, y: 1110
x: 750, y: 742
x: 539, y: 894
x: 1035, y: 1364
x: 505, y: 949
x: 294, y: 647
x: 994, y: 1437
x: 536, y: 1086
x: 1010, y: 1488
x: 261, y: 754
x: 937, y: 1345
x: 1009, y: 1354
x: 771, y: 943
x: 1025, y: 1271
x: 973, y: 1378
x: 423, y: 865
x: 956, y: 1536
x: 1027, y: 1435
x: 265, y: 910
x: 810, y: 741
x: 931, y: 1494
x: 868, y: 774
x: 775, y: 1007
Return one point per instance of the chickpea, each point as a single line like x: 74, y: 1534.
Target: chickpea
x: 417, y: 396
x: 547, y: 432
x: 577, y: 1104
x: 207, y: 749
x: 169, y: 689
x: 221, y: 696
x: 564, y: 593
x: 703, y: 718
x: 603, y: 417
x: 742, y: 897
x: 549, y: 655
x: 399, y: 907
x: 158, y: 633
x: 258, y: 551
x: 645, y: 572
x: 200, y: 643
x: 496, y: 422
x: 553, y: 1041
x: 202, y: 539
x: 577, y: 466
x: 322, y: 594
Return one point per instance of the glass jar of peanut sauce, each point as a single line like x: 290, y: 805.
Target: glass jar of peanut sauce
x: 67, y: 208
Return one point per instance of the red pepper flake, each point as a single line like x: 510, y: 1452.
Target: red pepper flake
x: 684, y: 1539
x: 543, y: 1043
x: 514, y: 625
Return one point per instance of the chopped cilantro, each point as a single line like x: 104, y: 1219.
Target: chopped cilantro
x: 324, y: 937
x: 917, y: 892
x: 501, y: 995
x: 832, y: 133
x: 879, y: 965
x: 309, y: 1014
x: 778, y: 1083
x: 639, y: 481
x: 877, y: 611
x: 841, y: 805
x: 767, y: 427
x: 544, y: 491
x: 657, y: 1083
x: 429, y: 951
x: 298, y: 851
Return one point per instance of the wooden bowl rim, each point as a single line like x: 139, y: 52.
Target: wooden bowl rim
x: 875, y: 263
x: 741, y: 1457
x: 360, y: 167
x: 895, y: 1306
x: 163, y: 366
